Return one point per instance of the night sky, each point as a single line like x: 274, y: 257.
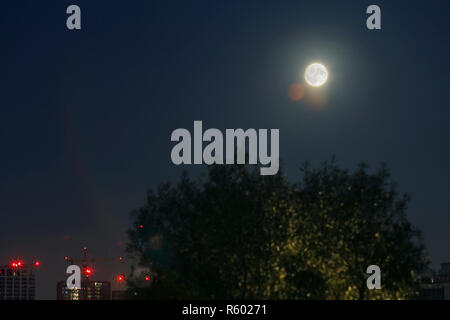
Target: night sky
x: 86, y: 116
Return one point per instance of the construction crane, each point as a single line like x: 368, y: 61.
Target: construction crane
x: 87, y: 264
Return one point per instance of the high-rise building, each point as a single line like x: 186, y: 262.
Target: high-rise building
x: 17, y: 282
x: 90, y: 290
x: 438, y: 287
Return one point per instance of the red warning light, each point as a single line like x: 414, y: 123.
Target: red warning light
x: 120, y: 278
x: 88, y: 271
x: 141, y: 226
x: 16, y: 264
x: 37, y: 263
x: 147, y: 278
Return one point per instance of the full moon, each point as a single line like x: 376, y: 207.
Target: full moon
x: 316, y: 74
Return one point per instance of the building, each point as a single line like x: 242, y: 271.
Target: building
x: 438, y: 288
x: 17, y: 282
x: 90, y: 290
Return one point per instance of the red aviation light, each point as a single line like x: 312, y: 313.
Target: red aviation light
x: 37, y: 263
x: 88, y: 271
x: 147, y: 278
x: 16, y: 264
x: 120, y: 278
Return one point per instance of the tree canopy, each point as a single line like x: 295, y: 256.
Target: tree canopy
x: 240, y: 235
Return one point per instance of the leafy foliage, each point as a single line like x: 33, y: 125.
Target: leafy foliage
x: 240, y: 235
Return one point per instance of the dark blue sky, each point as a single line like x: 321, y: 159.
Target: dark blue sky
x: 86, y: 116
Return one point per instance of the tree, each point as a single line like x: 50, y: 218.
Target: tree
x: 351, y: 221
x: 240, y: 235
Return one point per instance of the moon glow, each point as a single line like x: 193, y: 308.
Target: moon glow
x: 316, y: 74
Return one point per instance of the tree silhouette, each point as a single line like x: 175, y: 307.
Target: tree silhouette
x: 240, y: 235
